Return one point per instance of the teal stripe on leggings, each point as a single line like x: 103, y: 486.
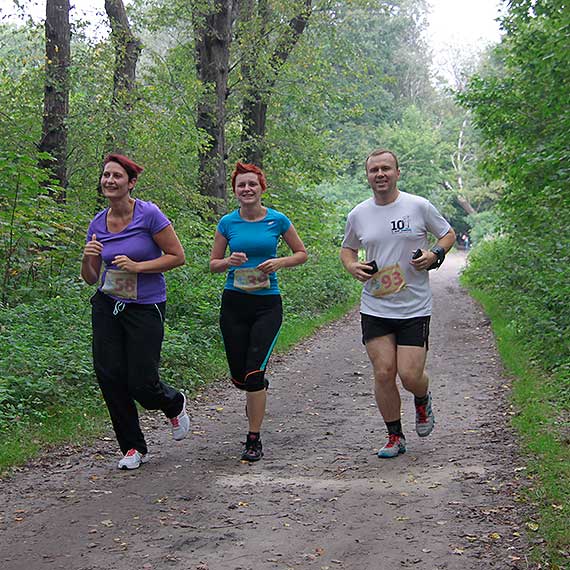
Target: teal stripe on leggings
x: 264, y: 363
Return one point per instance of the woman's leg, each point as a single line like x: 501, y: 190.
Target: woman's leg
x: 110, y: 363
x: 144, y: 332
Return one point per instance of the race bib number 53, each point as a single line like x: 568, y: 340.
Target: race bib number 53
x: 251, y: 279
x: 387, y: 281
x: 120, y: 284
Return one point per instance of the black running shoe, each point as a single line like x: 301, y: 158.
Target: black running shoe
x: 253, y: 449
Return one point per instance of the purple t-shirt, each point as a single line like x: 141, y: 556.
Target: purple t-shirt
x: 136, y: 242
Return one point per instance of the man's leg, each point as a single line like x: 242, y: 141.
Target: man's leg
x: 411, y: 364
x: 382, y: 353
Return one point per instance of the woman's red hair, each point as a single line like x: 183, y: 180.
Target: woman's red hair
x: 132, y: 168
x: 243, y: 168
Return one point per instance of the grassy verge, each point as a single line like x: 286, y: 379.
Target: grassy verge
x: 541, y: 422
x: 83, y: 423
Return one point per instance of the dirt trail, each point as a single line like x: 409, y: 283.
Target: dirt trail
x: 320, y: 498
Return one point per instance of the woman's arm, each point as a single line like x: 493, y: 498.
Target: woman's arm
x: 173, y: 255
x: 219, y: 263
x: 91, y: 261
x: 295, y: 244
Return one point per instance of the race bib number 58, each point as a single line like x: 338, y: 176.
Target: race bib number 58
x: 387, y: 281
x: 120, y: 284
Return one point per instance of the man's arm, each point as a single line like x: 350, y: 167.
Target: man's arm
x: 349, y: 258
x: 428, y: 258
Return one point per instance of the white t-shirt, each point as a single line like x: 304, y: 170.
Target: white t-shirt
x: 389, y: 235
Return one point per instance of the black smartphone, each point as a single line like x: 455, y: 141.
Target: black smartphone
x: 373, y: 267
x: 417, y: 253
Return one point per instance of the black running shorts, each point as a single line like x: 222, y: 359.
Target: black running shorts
x: 408, y: 332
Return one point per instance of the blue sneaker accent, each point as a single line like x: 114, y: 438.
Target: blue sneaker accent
x: 395, y: 446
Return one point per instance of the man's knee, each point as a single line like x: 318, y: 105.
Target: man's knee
x: 384, y: 374
x: 253, y: 382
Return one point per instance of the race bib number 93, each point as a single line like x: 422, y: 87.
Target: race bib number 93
x: 387, y: 281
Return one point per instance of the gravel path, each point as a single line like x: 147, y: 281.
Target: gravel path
x: 320, y: 499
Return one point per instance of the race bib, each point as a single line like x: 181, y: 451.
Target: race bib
x: 120, y: 284
x: 387, y: 281
x: 251, y: 279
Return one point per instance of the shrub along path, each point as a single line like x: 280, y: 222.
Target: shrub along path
x: 320, y: 498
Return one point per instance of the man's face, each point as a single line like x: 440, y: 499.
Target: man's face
x: 382, y: 175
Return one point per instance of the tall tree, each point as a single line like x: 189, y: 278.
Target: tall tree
x: 56, y: 91
x: 260, y: 81
x: 213, y: 31
x: 127, y: 51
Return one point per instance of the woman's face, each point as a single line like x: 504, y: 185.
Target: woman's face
x: 247, y: 188
x: 115, y: 181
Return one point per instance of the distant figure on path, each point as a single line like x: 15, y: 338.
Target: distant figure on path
x: 136, y: 243
x: 251, y: 311
x: 392, y: 227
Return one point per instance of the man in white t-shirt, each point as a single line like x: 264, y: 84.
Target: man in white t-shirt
x: 392, y: 227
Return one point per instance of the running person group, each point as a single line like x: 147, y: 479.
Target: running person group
x: 135, y: 243
x: 392, y: 227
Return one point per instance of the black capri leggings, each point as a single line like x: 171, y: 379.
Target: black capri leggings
x: 250, y: 326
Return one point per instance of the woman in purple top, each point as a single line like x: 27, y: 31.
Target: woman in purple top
x: 135, y: 243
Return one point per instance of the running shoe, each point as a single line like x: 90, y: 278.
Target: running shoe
x: 132, y: 460
x: 395, y: 445
x: 253, y: 449
x: 425, y: 420
x: 180, y: 423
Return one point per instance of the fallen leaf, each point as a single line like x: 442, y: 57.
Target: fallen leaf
x: 532, y: 526
x: 107, y: 523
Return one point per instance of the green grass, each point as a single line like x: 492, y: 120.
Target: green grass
x: 81, y: 425
x: 69, y: 424
x: 540, y: 420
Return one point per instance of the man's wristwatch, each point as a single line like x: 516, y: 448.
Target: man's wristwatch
x: 440, y: 252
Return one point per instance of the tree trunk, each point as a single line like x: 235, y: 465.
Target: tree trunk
x: 56, y: 92
x: 256, y: 99
x: 127, y: 51
x: 458, y: 160
x: 213, y: 40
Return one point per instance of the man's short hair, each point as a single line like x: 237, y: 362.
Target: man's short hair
x: 379, y: 151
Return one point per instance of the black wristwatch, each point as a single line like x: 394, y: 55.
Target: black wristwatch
x: 440, y: 252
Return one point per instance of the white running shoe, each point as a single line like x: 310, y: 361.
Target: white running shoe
x: 132, y: 460
x: 180, y: 423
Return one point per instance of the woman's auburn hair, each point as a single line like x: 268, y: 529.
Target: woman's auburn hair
x: 244, y: 168
x: 132, y: 168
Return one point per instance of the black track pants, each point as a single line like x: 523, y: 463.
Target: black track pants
x: 250, y: 326
x: 127, y: 339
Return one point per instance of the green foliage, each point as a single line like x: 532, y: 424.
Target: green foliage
x: 534, y: 291
x: 484, y: 225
